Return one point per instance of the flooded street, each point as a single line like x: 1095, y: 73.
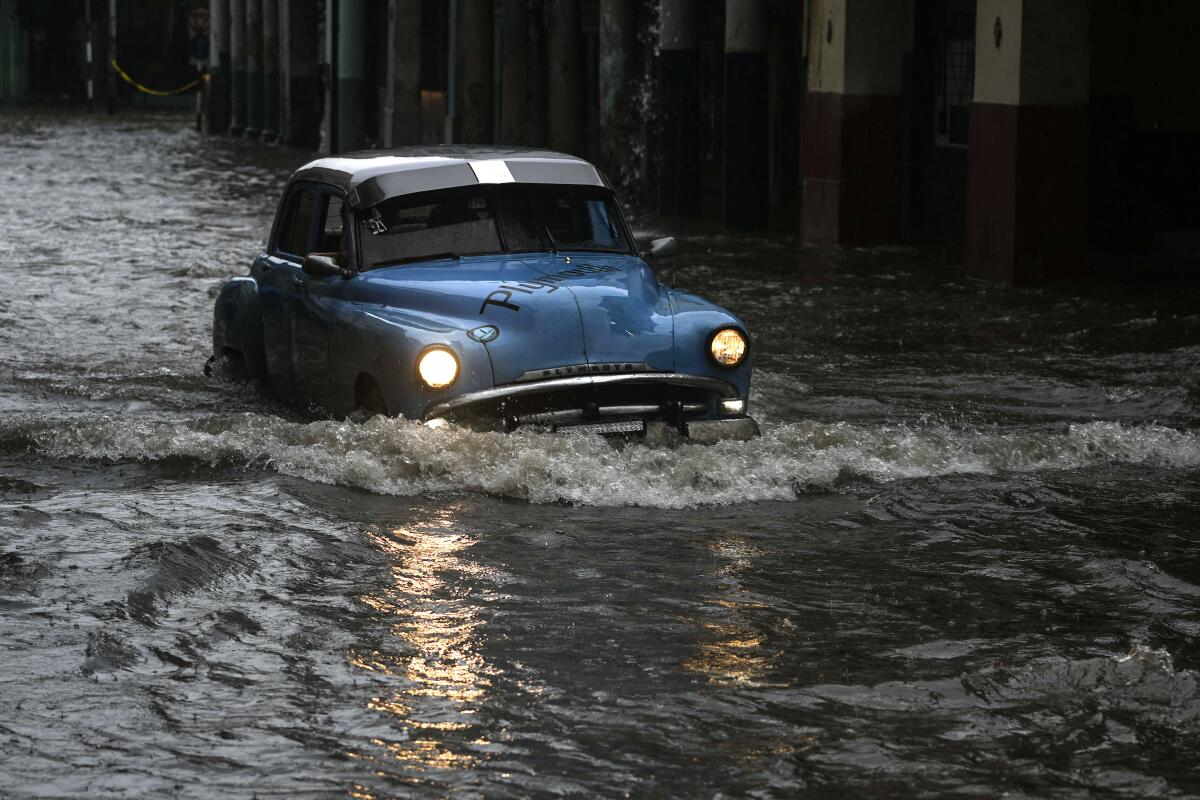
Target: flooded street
x: 962, y: 558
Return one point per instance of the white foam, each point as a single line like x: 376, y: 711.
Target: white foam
x: 397, y: 457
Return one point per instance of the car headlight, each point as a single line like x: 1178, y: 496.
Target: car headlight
x: 437, y: 367
x: 727, y: 347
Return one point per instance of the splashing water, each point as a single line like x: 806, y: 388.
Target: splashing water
x: 396, y: 457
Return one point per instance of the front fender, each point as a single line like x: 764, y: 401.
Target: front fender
x: 237, y: 325
x: 696, y: 319
x: 385, y: 342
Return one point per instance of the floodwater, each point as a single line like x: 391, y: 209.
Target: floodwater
x: 962, y: 558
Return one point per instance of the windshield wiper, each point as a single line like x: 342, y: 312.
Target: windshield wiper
x: 412, y: 259
x: 549, y: 235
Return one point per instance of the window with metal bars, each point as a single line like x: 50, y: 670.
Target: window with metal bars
x: 955, y: 71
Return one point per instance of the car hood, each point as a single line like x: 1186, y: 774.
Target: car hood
x: 552, y: 312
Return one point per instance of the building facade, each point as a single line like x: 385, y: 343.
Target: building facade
x: 1043, y: 135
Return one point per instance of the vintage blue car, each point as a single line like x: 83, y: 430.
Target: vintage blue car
x: 490, y: 286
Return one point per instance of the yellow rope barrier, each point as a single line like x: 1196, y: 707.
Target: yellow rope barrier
x: 146, y: 90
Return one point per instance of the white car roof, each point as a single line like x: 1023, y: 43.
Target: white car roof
x: 370, y: 176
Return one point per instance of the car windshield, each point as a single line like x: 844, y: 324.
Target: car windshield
x: 478, y: 220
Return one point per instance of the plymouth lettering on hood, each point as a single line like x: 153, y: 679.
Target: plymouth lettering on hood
x: 502, y: 296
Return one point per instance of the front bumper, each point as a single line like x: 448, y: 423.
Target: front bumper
x: 677, y: 404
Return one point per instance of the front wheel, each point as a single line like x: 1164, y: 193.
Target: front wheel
x: 368, y: 398
x: 229, y: 366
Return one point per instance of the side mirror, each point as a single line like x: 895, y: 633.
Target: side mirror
x: 321, y: 266
x: 661, y: 248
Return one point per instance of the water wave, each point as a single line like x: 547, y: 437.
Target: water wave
x: 398, y: 457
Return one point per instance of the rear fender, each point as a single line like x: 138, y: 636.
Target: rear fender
x: 237, y: 325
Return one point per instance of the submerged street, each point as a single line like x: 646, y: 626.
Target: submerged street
x: 962, y: 557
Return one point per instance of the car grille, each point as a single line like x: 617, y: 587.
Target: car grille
x: 612, y: 367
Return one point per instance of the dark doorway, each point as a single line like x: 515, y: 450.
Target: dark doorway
x: 1144, y: 130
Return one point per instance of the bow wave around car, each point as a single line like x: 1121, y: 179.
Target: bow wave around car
x: 494, y: 287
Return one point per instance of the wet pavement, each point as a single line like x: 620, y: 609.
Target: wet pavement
x: 962, y: 559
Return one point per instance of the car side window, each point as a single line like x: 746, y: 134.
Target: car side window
x: 335, y: 234
x: 333, y: 227
x: 296, y: 232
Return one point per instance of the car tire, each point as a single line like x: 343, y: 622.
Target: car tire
x: 368, y: 398
x: 229, y: 366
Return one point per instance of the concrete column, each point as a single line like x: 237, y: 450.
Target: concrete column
x: 270, y: 70
x: 678, y: 149
x: 237, y: 63
x: 854, y: 120
x: 217, y: 106
x: 567, y: 112
x: 351, y: 75
x: 451, y: 125
x: 14, y: 53
x: 617, y: 43
x: 254, y: 68
x: 406, y: 92
x: 497, y: 68
x: 473, y: 72
x: 111, y: 53
x: 538, y: 95
x: 744, y: 181
x: 1027, y: 154
x: 302, y: 100
x: 514, y: 90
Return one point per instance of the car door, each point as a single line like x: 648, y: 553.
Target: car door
x: 278, y: 273
x: 316, y: 297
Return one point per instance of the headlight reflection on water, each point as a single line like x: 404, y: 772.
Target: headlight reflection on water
x: 730, y: 647
x: 438, y: 673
